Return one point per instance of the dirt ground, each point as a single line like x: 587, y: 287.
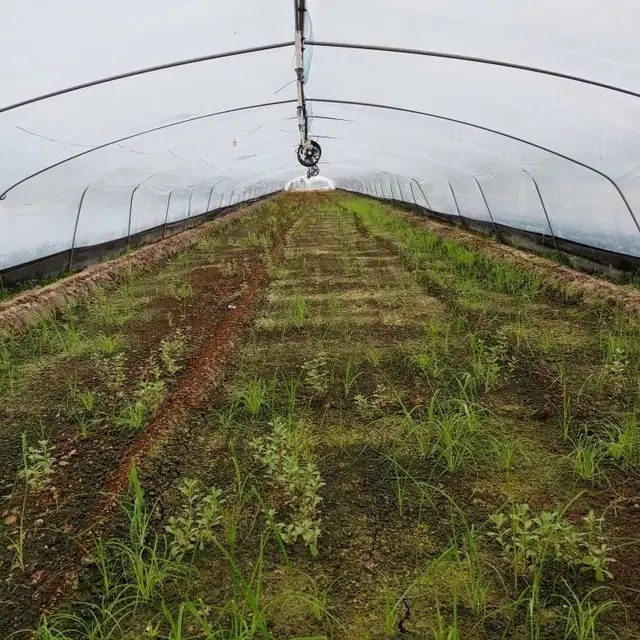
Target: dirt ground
x: 424, y: 388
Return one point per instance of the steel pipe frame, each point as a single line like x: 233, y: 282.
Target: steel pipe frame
x: 544, y: 208
x: 486, y: 203
x: 75, y: 228
x: 455, y: 200
x: 488, y: 130
x: 423, y: 194
x: 475, y: 60
x: 413, y: 195
x: 166, y: 215
x: 353, y: 103
x: 398, y: 50
x: 133, y: 193
x: 211, y: 193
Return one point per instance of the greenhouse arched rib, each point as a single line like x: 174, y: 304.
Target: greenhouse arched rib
x: 139, y: 134
x: 350, y: 103
x: 503, y: 134
x: 476, y: 60
x: 144, y: 71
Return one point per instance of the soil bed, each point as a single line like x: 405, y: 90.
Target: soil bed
x: 379, y: 427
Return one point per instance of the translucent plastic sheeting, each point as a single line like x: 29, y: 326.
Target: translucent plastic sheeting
x: 590, y: 38
x: 241, y: 149
x: 48, y: 45
x: 41, y: 134
x: 443, y: 156
x: 167, y: 145
x: 588, y: 124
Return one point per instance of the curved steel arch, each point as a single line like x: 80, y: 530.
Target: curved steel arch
x: 318, y: 43
x: 146, y: 70
x: 488, y: 130
x: 141, y: 133
x: 476, y: 60
x: 339, y: 102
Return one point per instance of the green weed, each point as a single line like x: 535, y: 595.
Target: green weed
x: 83, y: 407
x: 201, y: 514
x: 37, y: 463
x: 316, y: 374
x: 587, y: 457
x: 531, y: 541
x: 172, y: 351
x: 108, y: 344
x: 288, y: 457
x: 583, y: 615
x: 300, y: 311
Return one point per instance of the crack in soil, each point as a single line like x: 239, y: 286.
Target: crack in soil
x: 402, y: 631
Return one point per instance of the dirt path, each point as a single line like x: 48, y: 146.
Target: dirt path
x: 362, y: 305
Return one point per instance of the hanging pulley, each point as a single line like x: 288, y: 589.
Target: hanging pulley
x: 309, y: 153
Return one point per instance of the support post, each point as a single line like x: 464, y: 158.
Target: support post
x: 544, y: 208
x: 486, y: 204
x: 133, y: 193
x: 423, y: 194
x: 166, y: 215
x: 453, y: 193
x: 189, y: 209
x: 75, y: 228
x: 400, y: 189
x: 393, y: 195
x: 209, y: 200
x: 413, y: 195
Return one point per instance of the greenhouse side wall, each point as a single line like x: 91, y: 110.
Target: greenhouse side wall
x: 73, y: 260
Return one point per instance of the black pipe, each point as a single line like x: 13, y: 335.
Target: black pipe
x: 139, y: 72
x: 477, y: 60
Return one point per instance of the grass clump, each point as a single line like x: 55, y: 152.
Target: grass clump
x: 299, y: 311
x: 83, y: 407
x: 252, y: 396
